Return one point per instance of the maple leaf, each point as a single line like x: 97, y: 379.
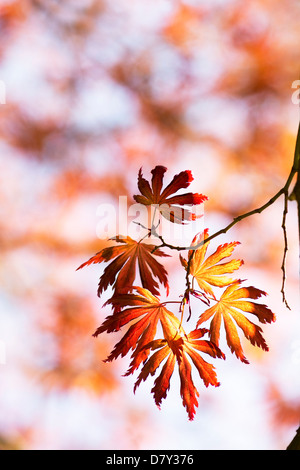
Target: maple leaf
x: 207, y: 271
x: 121, y: 272
x: 230, y: 307
x: 181, y: 349
x: 148, y: 311
x: 168, y: 206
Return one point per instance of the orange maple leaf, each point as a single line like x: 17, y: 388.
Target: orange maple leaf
x: 141, y: 304
x: 121, y: 272
x: 207, y: 271
x: 230, y: 308
x: 182, y: 349
x: 168, y: 206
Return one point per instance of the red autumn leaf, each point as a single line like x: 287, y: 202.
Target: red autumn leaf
x: 148, y: 311
x: 169, y: 207
x: 233, y: 302
x: 143, y: 314
x: 210, y: 272
x: 183, y: 349
x: 121, y: 272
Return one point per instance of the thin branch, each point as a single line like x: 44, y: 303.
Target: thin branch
x: 260, y: 209
x: 295, y: 195
x: 237, y: 219
x: 283, y: 226
x: 283, y: 190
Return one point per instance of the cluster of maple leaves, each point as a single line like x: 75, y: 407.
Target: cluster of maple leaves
x: 142, y: 309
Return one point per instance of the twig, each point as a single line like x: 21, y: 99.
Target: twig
x: 284, y: 190
x: 283, y: 226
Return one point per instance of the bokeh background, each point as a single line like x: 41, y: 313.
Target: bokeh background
x: 94, y: 90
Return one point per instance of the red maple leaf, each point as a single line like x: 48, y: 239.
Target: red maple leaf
x: 121, y: 272
x: 169, y: 206
x: 185, y: 350
x: 148, y: 311
x: 143, y: 314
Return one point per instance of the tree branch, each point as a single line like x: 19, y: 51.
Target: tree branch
x: 283, y: 226
x: 283, y: 190
x: 295, y: 195
x: 295, y: 444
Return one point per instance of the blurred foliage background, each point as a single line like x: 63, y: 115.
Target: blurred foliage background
x: 94, y: 90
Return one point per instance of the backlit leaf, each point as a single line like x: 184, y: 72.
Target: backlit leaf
x: 210, y: 272
x: 121, y: 272
x: 185, y: 350
x: 171, y: 207
x: 233, y: 302
x: 146, y: 311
